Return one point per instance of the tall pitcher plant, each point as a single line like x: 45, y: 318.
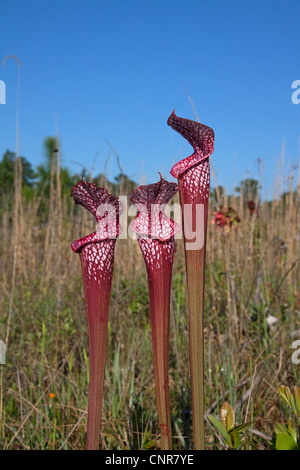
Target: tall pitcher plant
x: 155, y: 234
x: 193, y: 174
x: 96, y: 253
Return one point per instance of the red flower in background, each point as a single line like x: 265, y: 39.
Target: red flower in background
x: 252, y: 207
x: 227, y: 218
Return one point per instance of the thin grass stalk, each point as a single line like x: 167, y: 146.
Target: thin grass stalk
x: 50, y: 234
x: 58, y: 268
x: 17, y: 198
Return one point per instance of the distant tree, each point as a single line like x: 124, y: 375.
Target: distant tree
x: 215, y: 193
x: 7, y: 173
x: 249, y: 189
x: 288, y: 196
x: 99, y: 180
x: 123, y: 183
x: 43, y: 171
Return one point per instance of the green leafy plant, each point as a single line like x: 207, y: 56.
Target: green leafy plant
x: 226, y: 428
x: 286, y: 435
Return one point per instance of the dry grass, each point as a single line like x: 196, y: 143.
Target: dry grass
x: 252, y: 273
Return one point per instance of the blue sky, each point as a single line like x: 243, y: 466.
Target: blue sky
x: 113, y: 70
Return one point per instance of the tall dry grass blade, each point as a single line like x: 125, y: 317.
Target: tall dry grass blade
x: 17, y: 197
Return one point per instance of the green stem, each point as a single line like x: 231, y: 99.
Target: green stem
x: 195, y: 272
x: 97, y: 298
x: 159, y: 288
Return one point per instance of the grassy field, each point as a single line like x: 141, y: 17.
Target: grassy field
x: 252, y: 317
